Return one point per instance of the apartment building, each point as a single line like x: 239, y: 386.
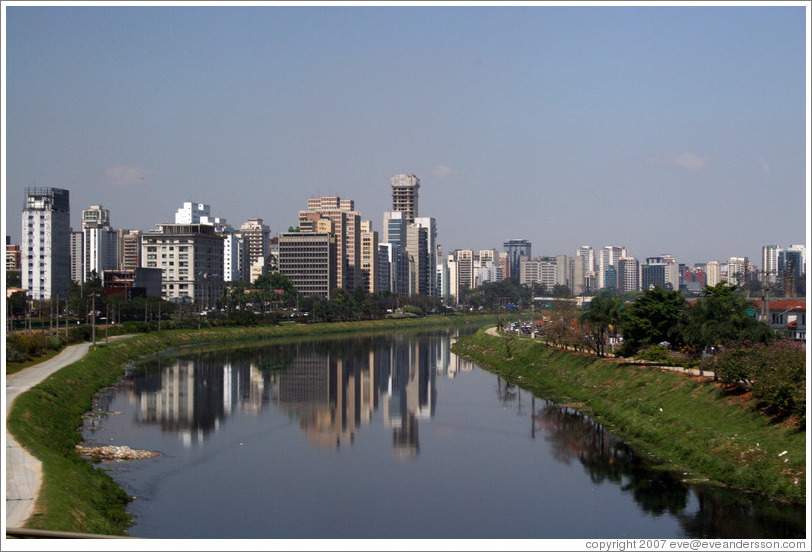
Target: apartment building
x: 45, y: 249
x: 191, y: 258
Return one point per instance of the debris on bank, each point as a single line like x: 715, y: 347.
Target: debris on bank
x: 112, y: 453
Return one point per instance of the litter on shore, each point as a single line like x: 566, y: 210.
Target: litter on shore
x: 113, y: 453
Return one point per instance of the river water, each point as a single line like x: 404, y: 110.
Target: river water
x: 387, y: 436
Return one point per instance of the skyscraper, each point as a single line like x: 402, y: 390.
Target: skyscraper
x: 45, y: 262
x: 347, y: 228
x: 516, y: 250
x: 405, y: 189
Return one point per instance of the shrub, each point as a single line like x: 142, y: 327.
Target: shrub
x: 776, y: 374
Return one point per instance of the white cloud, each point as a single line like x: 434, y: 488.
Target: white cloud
x: 687, y: 161
x: 442, y: 171
x: 125, y: 176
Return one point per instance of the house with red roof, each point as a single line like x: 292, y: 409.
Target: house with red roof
x: 786, y: 316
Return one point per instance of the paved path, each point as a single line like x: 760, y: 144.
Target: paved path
x: 23, y: 471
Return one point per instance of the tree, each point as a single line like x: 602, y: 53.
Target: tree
x: 601, y: 318
x: 655, y: 316
x: 720, y: 316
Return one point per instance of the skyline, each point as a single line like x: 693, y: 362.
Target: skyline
x: 674, y: 130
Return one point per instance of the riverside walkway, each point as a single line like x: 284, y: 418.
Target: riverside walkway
x: 23, y: 471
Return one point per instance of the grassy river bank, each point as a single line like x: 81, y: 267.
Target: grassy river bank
x: 681, y: 423
x: 76, y: 496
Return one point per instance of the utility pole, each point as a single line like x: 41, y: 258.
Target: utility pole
x: 93, y: 317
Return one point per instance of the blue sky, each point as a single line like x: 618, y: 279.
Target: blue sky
x: 676, y: 130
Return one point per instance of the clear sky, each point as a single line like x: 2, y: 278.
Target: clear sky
x: 676, y: 130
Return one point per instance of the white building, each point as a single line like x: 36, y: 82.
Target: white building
x: 191, y: 213
x: 191, y: 257
x: 100, y: 243
x: 45, y: 253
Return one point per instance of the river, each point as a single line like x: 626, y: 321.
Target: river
x: 387, y: 436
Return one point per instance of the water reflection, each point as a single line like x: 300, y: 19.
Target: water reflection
x: 334, y: 388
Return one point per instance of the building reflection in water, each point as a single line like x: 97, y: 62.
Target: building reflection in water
x: 191, y: 397
x: 331, y: 390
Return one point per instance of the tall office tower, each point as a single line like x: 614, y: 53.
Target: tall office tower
x: 369, y: 257
x: 769, y: 263
x: 516, y: 250
x: 802, y: 249
x: 347, y: 225
x: 713, y: 273
x: 738, y: 271
x: 191, y: 213
x: 45, y: 254
x: 100, y: 243
x: 308, y: 259
x: 432, y: 252
x: 255, y: 236
x: 609, y: 256
x: 394, y: 228
x: 405, y: 189
x: 129, y: 249
x: 191, y: 258
x: 628, y: 274
x: 790, y: 270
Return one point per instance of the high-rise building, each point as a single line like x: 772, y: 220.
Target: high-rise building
x: 129, y: 249
x: 100, y: 243
x: 609, y: 256
x: 405, y: 188
x: 369, y: 257
x: 347, y: 228
x: 432, y: 252
x: 77, y: 256
x: 517, y: 250
x: 628, y: 274
x: 738, y: 271
x: 308, y: 259
x: 769, y: 263
x: 564, y: 271
x: 191, y: 258
x: 45, y: 252
x: 417, y: 247
x: 713, y: 273
x: 255, y: 236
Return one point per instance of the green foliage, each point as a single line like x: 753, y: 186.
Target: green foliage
x: 655, y: 316
x: 774, y: 372
x: 22, y: 346
x: 720, y: 317
x: 601, y: 319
